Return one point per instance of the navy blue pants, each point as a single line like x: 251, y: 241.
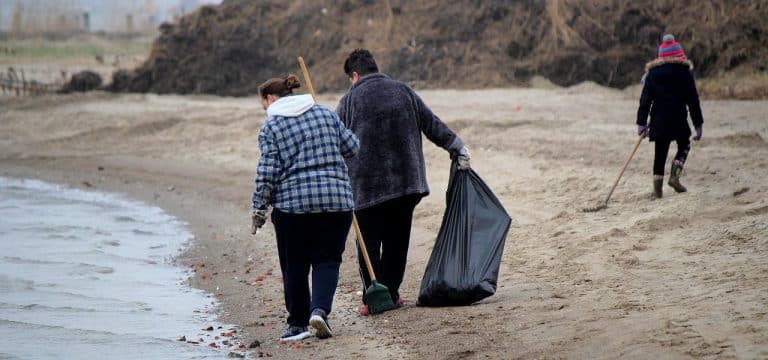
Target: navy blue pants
x: 386, y: 229
x: 307, y: 241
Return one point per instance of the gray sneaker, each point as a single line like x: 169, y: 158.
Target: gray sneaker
x: 319, y: 321
x: 294, y: 333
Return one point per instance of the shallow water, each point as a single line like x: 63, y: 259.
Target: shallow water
x: 85, y: 274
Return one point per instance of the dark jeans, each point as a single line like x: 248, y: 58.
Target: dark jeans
x: 310, y: 240
x: 386, y: 229
x: 662, y: 149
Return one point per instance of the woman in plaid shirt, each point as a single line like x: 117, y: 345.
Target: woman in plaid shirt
x: 303, y: 176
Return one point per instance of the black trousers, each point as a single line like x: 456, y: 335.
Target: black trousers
x: 310, y: 240
x: 662, y: 149
x: 386, y: 230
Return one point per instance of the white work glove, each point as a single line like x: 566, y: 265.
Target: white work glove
x: 258, y: 219
x: 463, y: 158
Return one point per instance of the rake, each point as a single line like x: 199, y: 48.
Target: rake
x: 624, y: 168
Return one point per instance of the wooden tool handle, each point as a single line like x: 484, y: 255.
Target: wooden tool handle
x: 307, y: 80
x: 624, y: 168
x: 363, y: 249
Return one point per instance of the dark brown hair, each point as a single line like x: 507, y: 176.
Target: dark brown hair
x: 279, y: 87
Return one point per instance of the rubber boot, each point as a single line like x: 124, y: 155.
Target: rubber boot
x: 658, y: 184
x: 674, y: 177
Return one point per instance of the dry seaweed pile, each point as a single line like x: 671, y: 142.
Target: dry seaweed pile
x: 231, y: 48
x: 82, y: 81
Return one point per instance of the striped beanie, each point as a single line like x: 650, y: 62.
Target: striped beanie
x: 670, y: 48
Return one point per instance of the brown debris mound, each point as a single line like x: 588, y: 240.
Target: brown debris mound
x: 231, y: 48
x: 82, y: 81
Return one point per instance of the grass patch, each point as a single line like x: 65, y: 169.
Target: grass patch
x: 735, y: 86
x: 86, y: 46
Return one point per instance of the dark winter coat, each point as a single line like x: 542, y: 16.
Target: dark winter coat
x: 388, y: 118
x: 668, y: 88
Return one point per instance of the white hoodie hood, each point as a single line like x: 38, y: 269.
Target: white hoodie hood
x: 291, y: 106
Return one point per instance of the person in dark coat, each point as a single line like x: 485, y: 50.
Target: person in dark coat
x: 669, y: 93
x: 388, y: 174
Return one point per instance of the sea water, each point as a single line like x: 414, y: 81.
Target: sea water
x: 90, y: 275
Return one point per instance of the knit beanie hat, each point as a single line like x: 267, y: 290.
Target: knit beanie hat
x: 670, y: 48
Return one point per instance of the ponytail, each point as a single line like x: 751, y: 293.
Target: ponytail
x: 279, y: 87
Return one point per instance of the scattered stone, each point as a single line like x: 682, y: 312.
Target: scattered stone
x: 209, y: 328
x: 254, y: 344
x: 183, y: 338
x: 236, y: 355
x: 740, y: 191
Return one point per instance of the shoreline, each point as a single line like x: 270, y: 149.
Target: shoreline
x: 146, y: 260
x: 177, y: 196
x: 224, y: 258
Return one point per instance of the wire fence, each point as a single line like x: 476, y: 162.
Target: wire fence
x: 14, y: 82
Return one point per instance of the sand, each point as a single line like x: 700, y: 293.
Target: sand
x: 681, y: 277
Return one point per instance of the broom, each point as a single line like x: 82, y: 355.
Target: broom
x: 377, y: 295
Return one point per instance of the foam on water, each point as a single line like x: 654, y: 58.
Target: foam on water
x: 85, y: 274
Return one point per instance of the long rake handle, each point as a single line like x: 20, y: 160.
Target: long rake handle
x: 307, y: 80
x: 362, y: 247
x: 358, y: 233
x: 624, y: 168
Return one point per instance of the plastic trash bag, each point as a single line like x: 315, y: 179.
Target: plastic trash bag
x: 464, y: 265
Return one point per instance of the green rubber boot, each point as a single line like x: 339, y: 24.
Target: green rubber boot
x: 658, y: 184
x: 674, y: 178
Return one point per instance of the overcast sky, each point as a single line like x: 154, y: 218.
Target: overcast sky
x: 104, y: 13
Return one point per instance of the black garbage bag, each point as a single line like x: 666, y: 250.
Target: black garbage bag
x: 464, y: 265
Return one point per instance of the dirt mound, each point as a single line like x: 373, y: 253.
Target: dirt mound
x: 231, y: 48
x: 82, y: 81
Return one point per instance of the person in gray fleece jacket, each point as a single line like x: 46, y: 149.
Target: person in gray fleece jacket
x: 388, y: 174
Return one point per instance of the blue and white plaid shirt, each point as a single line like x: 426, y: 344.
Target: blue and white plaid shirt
x: 302, y: 168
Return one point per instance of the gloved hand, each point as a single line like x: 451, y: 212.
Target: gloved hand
x: 258, y: 219
x: 463, y: 158
x: 699, y: 133
x: 642, y: 130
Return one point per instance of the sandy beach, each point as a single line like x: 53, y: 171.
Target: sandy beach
x: 681, y: 277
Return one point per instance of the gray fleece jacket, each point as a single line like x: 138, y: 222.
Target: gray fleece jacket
x: 388, y: 118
